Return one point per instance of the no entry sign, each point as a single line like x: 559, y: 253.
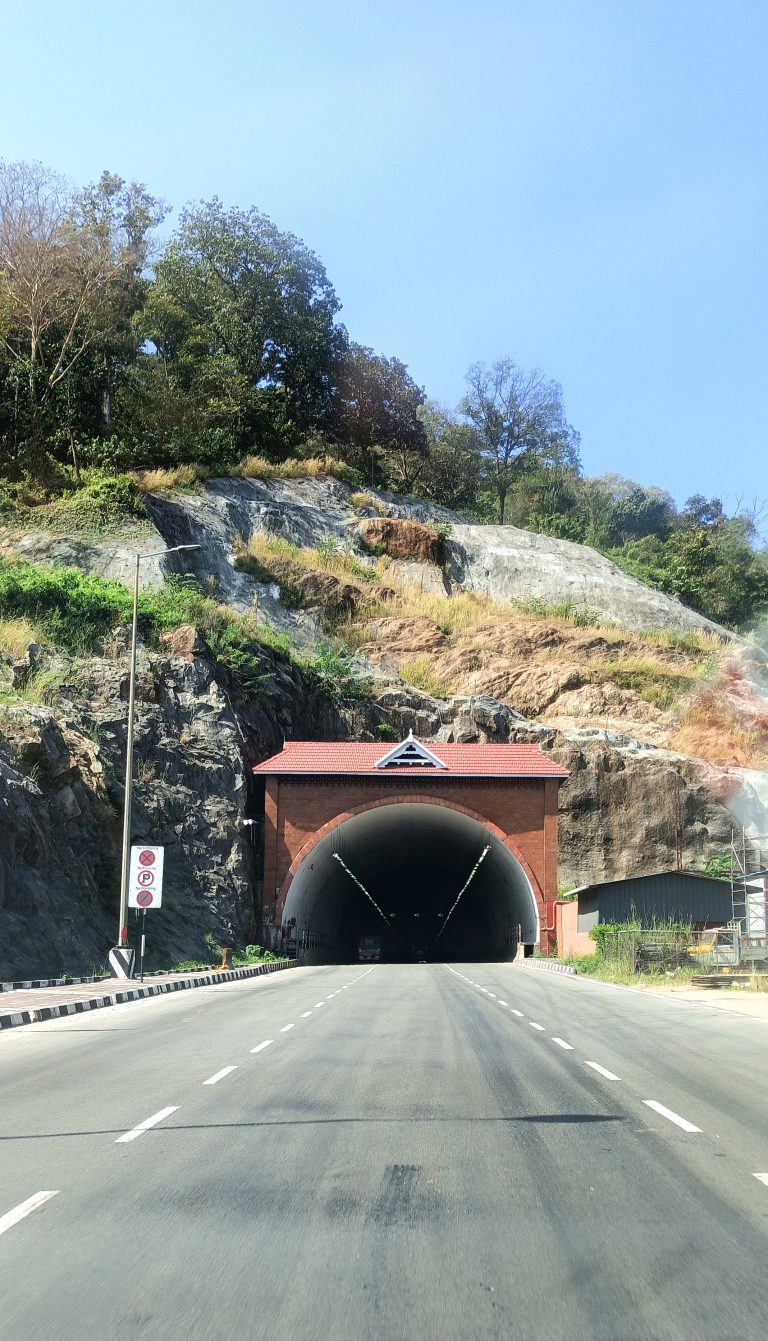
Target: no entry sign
x: 145, y: 880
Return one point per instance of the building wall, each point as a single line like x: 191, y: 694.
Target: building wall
x: 525, y: 810
x: 570, y: 940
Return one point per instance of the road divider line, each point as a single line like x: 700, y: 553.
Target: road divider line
x: 761, y: 1178
x: 305, y: 1013
x: 214, y: 1080
x: 519, y: 1013
x: 671, y: 1117
x: 534, y: 1025
x: 261, y: 1046
x: 26, y: 1207
x: 561, y: 1043
x: 602, y: 1071
x: 502, y: 1003
x: 318, y: 1004
x: 146, y: 1124
x: 286, y: 1027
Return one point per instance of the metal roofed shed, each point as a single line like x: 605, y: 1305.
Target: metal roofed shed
x: 681, y: 896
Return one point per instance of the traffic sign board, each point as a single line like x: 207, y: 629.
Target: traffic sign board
x: 145, y: 879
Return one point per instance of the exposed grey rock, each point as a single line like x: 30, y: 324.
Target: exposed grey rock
x: 513, y: 565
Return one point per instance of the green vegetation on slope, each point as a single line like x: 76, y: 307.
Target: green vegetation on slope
x: 229, y: 359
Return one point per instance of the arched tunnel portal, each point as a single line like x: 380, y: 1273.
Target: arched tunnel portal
x: 412, y: 858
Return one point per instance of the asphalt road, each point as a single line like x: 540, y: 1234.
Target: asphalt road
x: 397, y: 1153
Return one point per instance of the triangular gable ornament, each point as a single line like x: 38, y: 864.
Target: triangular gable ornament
x: 410, y: 752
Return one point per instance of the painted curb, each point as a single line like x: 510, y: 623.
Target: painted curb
x: 119, y: 998
x: 32, y: 983
x: 549, y: 967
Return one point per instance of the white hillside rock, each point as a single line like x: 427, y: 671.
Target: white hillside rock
x: 513, y: 565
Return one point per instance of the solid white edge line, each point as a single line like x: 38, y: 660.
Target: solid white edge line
x: 534, y: 1025
x: 261, y: 1046
x: 305, y: 1013
x: 146, y: 1124
x: 672, y: 1117
x: 25, y: 1208
x: 286, y: 1027
x: 761, y: 1178
x: 602, y: 1070
x: 561, y: 1043
x: 214, y: 1080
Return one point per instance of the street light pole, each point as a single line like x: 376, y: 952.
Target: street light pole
x: 122, y: 964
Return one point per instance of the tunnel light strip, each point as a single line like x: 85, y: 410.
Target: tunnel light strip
x: 464, y: 889
x: 361, y: 886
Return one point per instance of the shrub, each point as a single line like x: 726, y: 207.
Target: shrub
x: 336, y: 674
x: 102, y: 503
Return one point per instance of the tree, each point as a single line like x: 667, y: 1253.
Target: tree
x: 69, y: 264
x: 451, y: 473
x: 242, y: 318
x: 520, y: 421
x: 377, y: 417
x: 636, y: 510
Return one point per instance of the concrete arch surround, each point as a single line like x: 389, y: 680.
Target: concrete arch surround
x: 413, y: 855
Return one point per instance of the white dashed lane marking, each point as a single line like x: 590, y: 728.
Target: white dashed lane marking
x: 519, y: 1013
x: 534, y: 1025
x: 26, y: 1207
x: 146, y: 1124
x: 286, y: 1027
x: 602, y: 1071
x: 261, y: 1046
x: 305, y: 1013
x: 670, y: 1116
x: 318, y: 1004
x: 561, y: 1043
x: 214, y: 1080
x: 761, y: 1178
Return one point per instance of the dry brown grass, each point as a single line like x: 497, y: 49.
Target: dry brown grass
x: 711, y: 730
x: 16, y: 635
x: 258, y: 468
x: 170, y: 477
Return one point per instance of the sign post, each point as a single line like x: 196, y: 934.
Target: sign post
x: 145, y: 886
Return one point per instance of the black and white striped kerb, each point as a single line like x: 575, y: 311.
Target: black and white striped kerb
x: 45, y: 982
x: 118, y: 998
x: 549, y: 966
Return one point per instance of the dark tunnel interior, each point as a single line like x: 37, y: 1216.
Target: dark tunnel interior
x: 413, y: 861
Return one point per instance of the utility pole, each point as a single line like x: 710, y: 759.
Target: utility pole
x: 121, y: 958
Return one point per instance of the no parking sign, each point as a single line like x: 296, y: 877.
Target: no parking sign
x: 145, y: 879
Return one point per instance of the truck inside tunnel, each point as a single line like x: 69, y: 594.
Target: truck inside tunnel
x: 430, y: 881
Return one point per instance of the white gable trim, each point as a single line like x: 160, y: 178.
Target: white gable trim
x: 410, y: 752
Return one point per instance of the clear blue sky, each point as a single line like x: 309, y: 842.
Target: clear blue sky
x: 578, y: 184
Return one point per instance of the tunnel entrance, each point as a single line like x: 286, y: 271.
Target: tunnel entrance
x: 428, y: 881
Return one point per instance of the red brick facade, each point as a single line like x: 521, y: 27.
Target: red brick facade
x: 521, y: 812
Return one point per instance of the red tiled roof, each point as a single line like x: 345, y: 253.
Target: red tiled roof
x: 340, y: 757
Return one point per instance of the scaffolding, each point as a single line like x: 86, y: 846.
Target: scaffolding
x: 749, y: 882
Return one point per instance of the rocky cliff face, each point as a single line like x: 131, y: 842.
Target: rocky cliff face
x: 631, y: 802
x: 61, y: 798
